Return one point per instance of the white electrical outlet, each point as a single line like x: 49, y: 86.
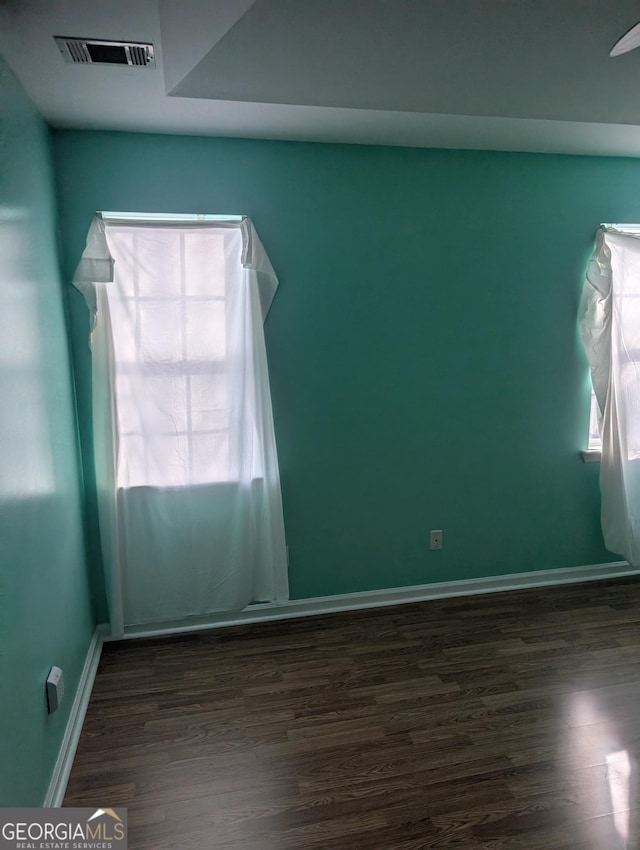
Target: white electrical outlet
x: 55, y: 689
x: 435, y: 539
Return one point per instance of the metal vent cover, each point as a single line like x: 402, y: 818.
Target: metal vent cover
x: 93, y: 51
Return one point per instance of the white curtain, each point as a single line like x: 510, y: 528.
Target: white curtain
x: 610, y: 329
x: 188, y: 486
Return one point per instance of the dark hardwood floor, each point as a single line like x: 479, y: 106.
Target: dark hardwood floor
x: 502, y: 721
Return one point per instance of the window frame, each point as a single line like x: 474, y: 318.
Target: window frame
x: 190, y: 368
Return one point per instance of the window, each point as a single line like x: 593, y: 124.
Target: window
x: 627, y: 267
x: 595, y: 442
x: 169, y: 309
x: 627, y: 314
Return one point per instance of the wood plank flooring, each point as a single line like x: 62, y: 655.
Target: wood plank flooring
x: 503, y: 721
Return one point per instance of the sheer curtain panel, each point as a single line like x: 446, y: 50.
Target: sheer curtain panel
x: 610, y: 328
x: 187, y: 475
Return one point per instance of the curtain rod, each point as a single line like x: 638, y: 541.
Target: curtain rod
x: 168, y: 218
x: 635, y: 228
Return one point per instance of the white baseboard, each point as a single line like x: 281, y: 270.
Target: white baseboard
x: 64, y: 762
x: 266, y: 612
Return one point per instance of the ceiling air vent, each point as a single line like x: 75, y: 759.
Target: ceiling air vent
x: 92, y: 51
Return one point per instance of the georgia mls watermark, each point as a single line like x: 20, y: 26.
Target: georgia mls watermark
x: 63, y: 829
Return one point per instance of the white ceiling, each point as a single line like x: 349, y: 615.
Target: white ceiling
x: 529, y: 75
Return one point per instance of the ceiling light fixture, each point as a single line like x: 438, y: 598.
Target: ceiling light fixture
x: 629, y: 41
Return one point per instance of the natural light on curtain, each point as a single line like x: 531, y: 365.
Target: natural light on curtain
x: 610, y: 330
x: 186, y: 465
x: 170, y: 302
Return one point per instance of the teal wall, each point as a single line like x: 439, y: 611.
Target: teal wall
x: 425, y: 365
x: 45, y: 614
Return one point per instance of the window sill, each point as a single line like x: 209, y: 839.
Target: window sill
x: 591, y: 456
